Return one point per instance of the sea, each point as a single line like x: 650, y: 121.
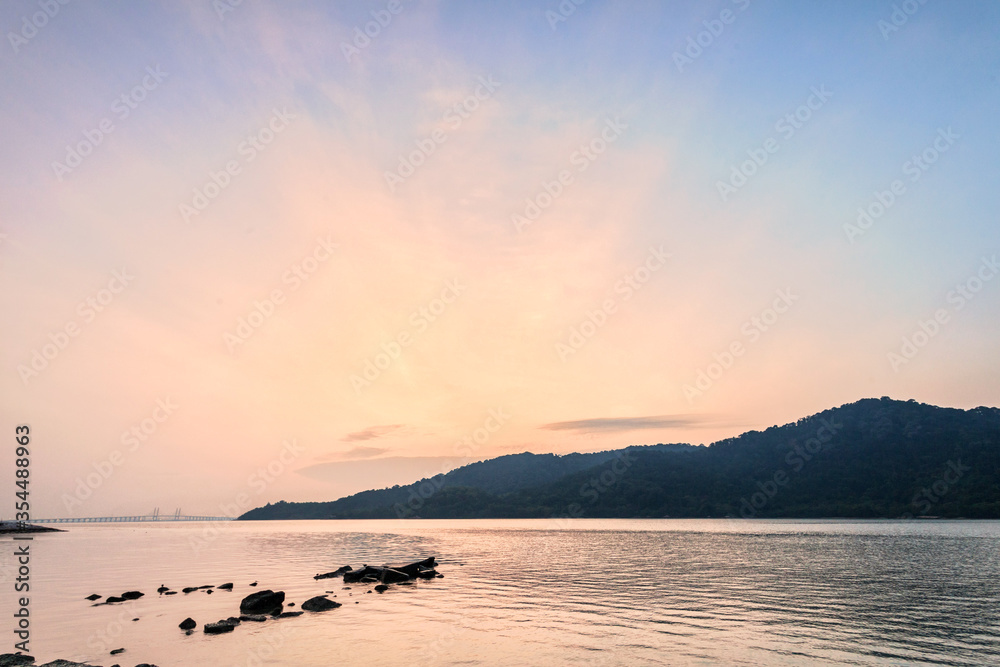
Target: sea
x: 522, y: 592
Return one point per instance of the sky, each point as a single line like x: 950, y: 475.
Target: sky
x: 254, y: 251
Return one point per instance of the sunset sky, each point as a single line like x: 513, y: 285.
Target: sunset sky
x: 235, y: 236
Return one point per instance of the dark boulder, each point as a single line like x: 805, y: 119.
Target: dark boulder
x: 190, y: 589
x: 171, y: 593
x: 390, y: 576
x: 132, y: 595
x: 319, y: 603
x: 218, y: 628
x: 117, y: 651
x: 187, y: 624
x: 290, y: 614
x: 381, y: 588
x: 354, y: 576
x: 226, y: 587
x: 262, y: 602
x: 257, y: 618
x: 413, y: 568
x: 91, y: 597
x: 111, y: 599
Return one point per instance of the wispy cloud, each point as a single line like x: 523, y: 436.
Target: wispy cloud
x: 608, y: 424
x: 370, y: 433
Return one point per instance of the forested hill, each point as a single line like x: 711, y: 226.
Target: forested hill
x: 872, y: 458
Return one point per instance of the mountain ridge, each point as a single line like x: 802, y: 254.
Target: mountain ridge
x: 867, y: 459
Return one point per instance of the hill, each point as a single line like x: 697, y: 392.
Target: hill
x: 872, y: 458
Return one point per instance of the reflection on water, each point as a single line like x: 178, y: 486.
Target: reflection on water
x: 583, y: 592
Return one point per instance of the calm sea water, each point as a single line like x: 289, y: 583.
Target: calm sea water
x: 579, y: 592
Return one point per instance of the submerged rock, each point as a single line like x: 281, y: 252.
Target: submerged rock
x: 112, y: 599
x: 381, y: 588
x: 226, y: 587
x: 262, y: 602
x: 290, y: 614
x: 91, y: 597
x: 132, y: 595
x: 187, y: 624
x: 218, y: 628
x: 117, y: 651
x: 257, y: 618
x: 336, y: 573
x: 319, y: 603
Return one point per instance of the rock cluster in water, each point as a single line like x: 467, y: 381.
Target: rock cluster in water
x: 260, y: 605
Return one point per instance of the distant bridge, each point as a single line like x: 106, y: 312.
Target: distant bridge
x: 155, y: 516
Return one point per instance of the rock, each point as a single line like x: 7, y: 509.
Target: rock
x: 218, y: 628
x: 336, y: 573
x: 354, y: 576
x: 117, y: 651
x: 262, y: 602
x: 65, y: 663
x: 254, y: 583
x: 381, y: 588
x: 171, y: 593
x: 132, y: 595
x: 290, y: 614
x: 233, y: 619
x: 413, y: 568
x: 225, y: 587
x: 91, y: 597
x: 187, y: 624
x: 427, y: 574
x: 291, y: 604
x: 439, y: 576
x: 189, y: 589
x: 209, y: 592
x: 111, y: 598
x: 257, y: 618
x: 319, y: 603
x: 390, y: 576
x: 135, y: 619
x: 17, y: 659
x: 162, y: 589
